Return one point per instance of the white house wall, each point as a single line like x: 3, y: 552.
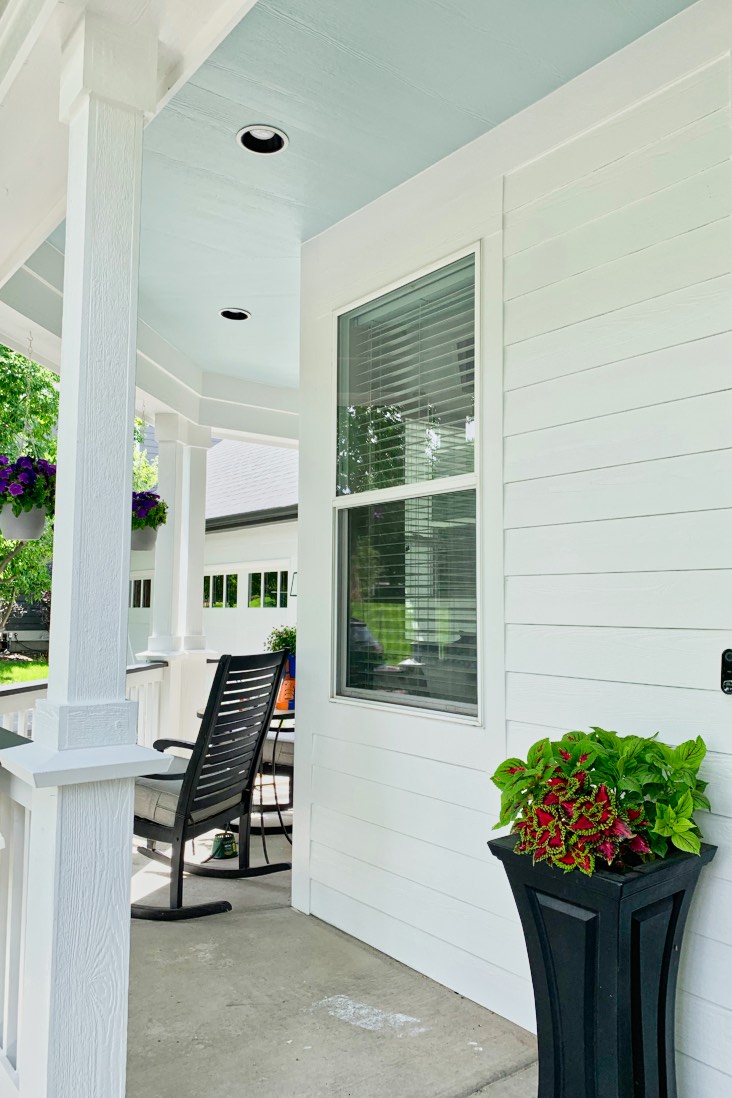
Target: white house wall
x: 241, y: 551
x: 603, y: 217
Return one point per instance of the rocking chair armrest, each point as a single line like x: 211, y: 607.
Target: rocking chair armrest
x: 175, y: 777
x: 162, y: 745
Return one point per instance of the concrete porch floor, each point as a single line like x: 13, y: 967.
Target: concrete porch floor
x: 264, y: 1002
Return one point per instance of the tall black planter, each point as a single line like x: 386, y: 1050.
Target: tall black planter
x: 604, y: 955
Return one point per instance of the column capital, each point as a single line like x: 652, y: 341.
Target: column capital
x: 172, y: 427
x: 111, y: 60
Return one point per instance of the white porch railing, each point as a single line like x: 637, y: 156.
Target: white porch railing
x: 16, y: 816
x: 144, y: 680
x: 14, y: 830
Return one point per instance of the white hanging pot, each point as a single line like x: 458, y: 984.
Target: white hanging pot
x: 27, y: 526
x: 144, y: 540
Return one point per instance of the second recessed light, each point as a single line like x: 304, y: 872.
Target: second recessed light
x: 263, y: 139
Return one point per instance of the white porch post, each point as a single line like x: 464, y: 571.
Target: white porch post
x: 83, y: 760
x: 177, y: 612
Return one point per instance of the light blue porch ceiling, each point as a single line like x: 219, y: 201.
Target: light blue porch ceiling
x: 370, y: 93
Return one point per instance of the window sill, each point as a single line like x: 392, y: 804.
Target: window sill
x: 472, y: 720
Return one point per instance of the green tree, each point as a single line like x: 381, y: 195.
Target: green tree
x: 28, y: 415
x: 144, y: 469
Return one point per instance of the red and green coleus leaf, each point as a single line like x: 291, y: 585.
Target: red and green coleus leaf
x: 509, y: 772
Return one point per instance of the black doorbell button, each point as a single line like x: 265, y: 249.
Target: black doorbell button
x: 726, y: 676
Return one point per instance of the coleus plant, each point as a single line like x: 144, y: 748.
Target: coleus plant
x: 26, y: 483
x: 148, y: 509
x: 597, y: 795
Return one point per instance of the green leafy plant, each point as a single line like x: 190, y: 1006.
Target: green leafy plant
x: 284, y: 636
x: 598, y: 795
x: 148, y: 509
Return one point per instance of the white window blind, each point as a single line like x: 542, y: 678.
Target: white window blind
x: 406, y: 383
x: 407, y: 567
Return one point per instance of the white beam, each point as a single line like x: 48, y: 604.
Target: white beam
x: 21, y: 24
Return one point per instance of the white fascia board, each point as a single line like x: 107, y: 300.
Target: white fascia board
x: 21, y: 24
x: 236, y: 390
x: 240, y: 421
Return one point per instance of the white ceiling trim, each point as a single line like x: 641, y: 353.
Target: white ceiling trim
x: 31, y: 305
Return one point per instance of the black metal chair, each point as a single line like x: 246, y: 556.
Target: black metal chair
x: 216, y: 785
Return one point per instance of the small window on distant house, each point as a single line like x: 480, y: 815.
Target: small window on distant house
x: 231, y: 591
x: 268, y: 590
x: 221, y: 591
x: 255, y: 590
x: 140, y: 594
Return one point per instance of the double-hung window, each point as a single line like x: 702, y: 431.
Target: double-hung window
x: 406, y: 494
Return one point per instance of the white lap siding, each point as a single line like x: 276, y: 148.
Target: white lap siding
x: 604, y: 221
x: 618, y: 498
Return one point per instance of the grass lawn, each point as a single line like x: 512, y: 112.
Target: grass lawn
x: 22, y: 670
x: 386, y: 621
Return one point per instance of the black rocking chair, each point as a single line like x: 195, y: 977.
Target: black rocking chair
x: 216, y: 785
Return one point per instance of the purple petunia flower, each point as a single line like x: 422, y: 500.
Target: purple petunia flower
x: 16, y: 489
x: 4, y: 460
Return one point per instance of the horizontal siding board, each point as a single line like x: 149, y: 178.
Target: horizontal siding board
x: 706, y: 969
x: 662, y: 657
x: 693, y: 482
x: 704, y: 1030
x: 677, y: 714
x: 697, y: 425
x: 484, y: 935
x: 428, y: 777
x: 700, y: 1080
x: 492, y: 986
x: 392, y: 728
x: 697, y: 256
x: 709, y: 914
x: 447, y: 825
x: 646, y: 122
x: 678, y: 209
x: 677, y: 542
x: 673, y: 373
x: 660, y: 600
x: 718, y: 831
x: 679, y: 317
x: 682, y: 154
x: 480, y: 883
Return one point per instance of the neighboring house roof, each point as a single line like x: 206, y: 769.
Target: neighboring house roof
x: 250, y: 485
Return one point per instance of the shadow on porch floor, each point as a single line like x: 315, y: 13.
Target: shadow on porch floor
x: 268, y: 1003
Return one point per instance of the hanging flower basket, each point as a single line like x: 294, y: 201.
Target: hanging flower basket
x: 27, y: 495
x: 149, y: 512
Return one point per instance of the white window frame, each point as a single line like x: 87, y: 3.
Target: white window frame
x: 222, y: 570
x: 341, y: 503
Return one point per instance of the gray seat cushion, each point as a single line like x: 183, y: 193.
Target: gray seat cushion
x: 157, y: 799
x: 285, y: 749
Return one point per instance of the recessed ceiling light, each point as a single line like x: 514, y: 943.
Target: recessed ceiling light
x: 235, y: 314
x: 258, y: 138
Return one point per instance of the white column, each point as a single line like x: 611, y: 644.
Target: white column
x: 83, y: 760
x: 177, y: 615
x: 177, y: 611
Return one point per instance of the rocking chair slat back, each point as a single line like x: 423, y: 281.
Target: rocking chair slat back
x: 233, y: 730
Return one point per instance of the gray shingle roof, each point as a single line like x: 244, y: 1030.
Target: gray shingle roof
x: 244, y: 477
